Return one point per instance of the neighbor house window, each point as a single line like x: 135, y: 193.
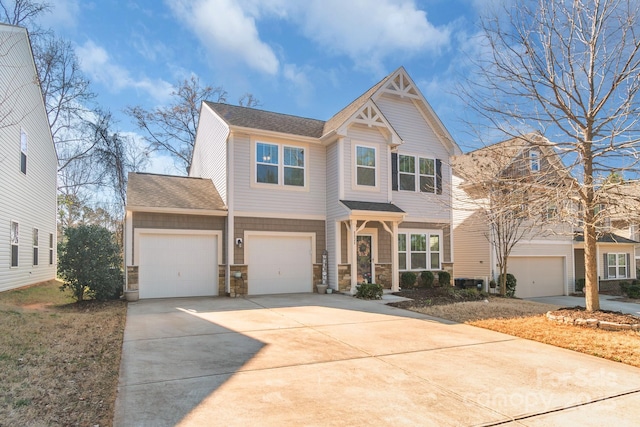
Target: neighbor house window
x: 616, y: 265
x: 366, y: 166
x: 534, y: 160
x: 407, y: 172
x: 35, y: 246
x: 552, y: 211
x: 14, y: 243
x: 23, y: 151
x: 419, y: 251
x: 50, y: 248
x: 269, y: 168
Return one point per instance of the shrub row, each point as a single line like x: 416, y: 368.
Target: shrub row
x: 425, y: 279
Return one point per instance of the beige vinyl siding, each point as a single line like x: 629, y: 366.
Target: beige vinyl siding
x: 471, y: 249
x: 419, y: 140
x: 210, y: 153
x: 278, y: 199
x: 360, y: 135
x: 27, y: 199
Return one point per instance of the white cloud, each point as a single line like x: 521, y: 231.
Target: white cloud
x: 95, y: 61
x: 64, y: 13
x: 368, y: 32
x: 227, y: 31
x: 302, y: 87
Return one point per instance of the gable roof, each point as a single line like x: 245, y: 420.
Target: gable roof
x: 145, y: 190
x: 253, y: 118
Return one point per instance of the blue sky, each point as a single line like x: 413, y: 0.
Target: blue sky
x: 308, y: 58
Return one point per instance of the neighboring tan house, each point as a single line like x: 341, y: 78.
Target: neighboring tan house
x: 28, y: 168
x: 370, y: 186
x: 543, y: 259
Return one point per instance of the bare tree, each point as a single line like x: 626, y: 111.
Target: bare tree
x: 569, y: 69
x: 502, y: 197
x: 22, y: 12
x: 172, y: 128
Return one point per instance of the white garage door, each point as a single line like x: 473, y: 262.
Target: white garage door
x: 279, y: 264
x: 538, y: 276
x: 178, y: 265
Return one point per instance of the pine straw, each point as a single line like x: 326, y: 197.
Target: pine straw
x: 525, y: 319
x: 59, y: 363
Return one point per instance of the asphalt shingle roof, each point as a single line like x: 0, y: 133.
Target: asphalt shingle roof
x: 267, y: 120
x: 606, y: 238
x: 371, y: 206
x: 177, y: 192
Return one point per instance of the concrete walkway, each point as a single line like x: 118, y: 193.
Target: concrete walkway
x: 607, y: 302
x: 333, y: 360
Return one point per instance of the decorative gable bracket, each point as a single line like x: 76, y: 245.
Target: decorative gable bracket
x: 402, y: 86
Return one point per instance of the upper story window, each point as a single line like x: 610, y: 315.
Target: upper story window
x: 425, y: 180
x: 534, y: 161
x: 23, y: 151
x: 366, y: 166
x: 270, y: 170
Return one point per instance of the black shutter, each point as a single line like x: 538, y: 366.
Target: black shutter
x: 606, y: 266
x: 394, y: 171
x: 438, y: 176
x: 628, y: 266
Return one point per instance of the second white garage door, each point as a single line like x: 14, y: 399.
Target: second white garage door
x: 279, y: 264
x: 177, y: 265
x: 538, y: 276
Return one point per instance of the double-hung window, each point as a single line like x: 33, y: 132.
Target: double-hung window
x: 617, y: 265
x: 365, y: 166
x: 407, y: 172
x: 14, y: 243
x: 416, y: 172
x: 280, y: 164
x: 419, y: 251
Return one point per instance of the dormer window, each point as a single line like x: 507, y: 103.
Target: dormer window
x: 534, y: 161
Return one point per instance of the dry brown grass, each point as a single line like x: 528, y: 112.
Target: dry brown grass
x: 59, y: 361
x: 525, y: 319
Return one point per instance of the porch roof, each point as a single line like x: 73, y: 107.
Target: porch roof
x: 354, y: 205
x: 606, y: 238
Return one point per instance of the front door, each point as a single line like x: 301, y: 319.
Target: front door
x: 364, y: 243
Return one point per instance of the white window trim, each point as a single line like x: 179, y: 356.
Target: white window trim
x: 417, y: 175
x: 24, y: 147
x: 280, y: 165
x: 51, y: 244
x: 617, y: 266
x: 376, y: 168
x: 428, y: 233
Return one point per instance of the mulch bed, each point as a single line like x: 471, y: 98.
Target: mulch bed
x: 424, y: 297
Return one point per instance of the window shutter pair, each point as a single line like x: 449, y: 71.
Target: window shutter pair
x: 394, y: 173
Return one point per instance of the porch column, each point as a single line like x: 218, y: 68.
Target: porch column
x: 395, y: 273
x: 353, y: 250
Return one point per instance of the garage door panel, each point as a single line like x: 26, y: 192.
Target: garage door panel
x: 279, y: 264
x: 538, y: 276
x: 178, y: 265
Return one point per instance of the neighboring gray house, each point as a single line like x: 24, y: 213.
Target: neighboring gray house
x: 370, y: 186
x: 28, y: 168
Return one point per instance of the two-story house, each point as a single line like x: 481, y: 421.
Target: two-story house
x: 28, y: 168
x: 521, y: 178
x: 366, y: 193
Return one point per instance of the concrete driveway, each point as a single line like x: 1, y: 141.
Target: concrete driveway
x: 607, y: 302
x: 333, y: 360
